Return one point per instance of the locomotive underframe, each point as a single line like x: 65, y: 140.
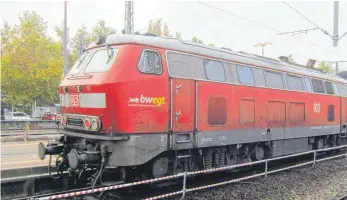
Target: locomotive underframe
x: 146, y: 156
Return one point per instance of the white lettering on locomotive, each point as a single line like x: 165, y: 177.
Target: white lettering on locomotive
x: 146, y: 101
x: 316, y: 107
x: 204, y: 140
x: 74, y: 100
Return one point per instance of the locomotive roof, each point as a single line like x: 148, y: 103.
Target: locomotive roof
x: 218, y: 53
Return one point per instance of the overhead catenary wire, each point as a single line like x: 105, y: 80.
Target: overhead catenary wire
x: 342, y: 36
x: 249, y: 20
x: 298, y: 32
x: 265, y: 26
x: 302, y: 15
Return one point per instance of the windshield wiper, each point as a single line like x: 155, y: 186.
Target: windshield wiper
x: 110, y: 55
x: 80, y: 61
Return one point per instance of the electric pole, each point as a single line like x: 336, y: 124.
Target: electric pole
x: 262, y: 46
x: 335, y: 36
x: 65, y: 38
x: 129, y: 17
x: 337, y: 65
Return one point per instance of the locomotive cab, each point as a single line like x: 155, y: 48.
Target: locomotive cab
x: 113, y: 93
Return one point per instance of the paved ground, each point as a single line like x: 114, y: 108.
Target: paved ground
x: 20, y: 154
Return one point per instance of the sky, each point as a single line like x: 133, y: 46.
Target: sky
x: 238, y: 25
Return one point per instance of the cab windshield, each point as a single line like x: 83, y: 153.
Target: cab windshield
x: 97, y: 61
x: 102, y: 60
x: 80, y: 63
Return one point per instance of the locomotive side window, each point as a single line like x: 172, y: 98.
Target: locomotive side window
x: 336, y: 90
x: 150, y: 63
x: 214, y: 70
x: 197, y: 66
x: 185, y: 66
x: 308, y: 85
x: 246, y: 76
x: 274, y: 80
x: 230, y: 72
x: 342, y: 90
x: 318, y: 86
x: 181, y: 69
x: 102, y: 60
x: 217, y: 111
x: 329, y: 88
x: 331, y: 113
x: 294, y: 83
x: 259, y: 77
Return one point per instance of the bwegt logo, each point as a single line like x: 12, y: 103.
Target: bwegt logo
x: 143, y: 100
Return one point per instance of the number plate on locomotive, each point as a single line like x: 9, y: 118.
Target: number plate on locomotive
x: 74, y: 100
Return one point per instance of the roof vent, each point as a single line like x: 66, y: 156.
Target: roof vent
x: 310, y: 63
x: 284, y: 59
x: 101, y: 39
x: 226, y: 48
x: 150, y: 34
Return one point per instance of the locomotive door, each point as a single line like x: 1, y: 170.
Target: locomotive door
x: 182, y: 91
x: 344, y: 114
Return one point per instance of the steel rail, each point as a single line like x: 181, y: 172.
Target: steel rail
x: 343, y: 197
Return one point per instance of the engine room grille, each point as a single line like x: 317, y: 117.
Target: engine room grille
x: 74, y: 122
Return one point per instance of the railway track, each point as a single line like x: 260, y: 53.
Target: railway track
x: 343, y: 197
x: 200, y: 182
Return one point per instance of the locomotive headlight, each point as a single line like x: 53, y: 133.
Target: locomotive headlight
x: 95, y: 124
x: 63, y: 121
x: 87, y: 123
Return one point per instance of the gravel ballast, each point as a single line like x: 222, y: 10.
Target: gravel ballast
x: 326, y: 181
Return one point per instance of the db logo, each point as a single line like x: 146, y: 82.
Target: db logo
x: 316, y: 107
x: 74, y: 100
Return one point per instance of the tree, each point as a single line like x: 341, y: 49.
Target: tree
x: 211, y: 44
x: 156, y: 27
x: 81, y: 39
x: 100, y: 29
x: 166, y: 32
x: 291, y: 59
x: 197, y: 40
x: 59, y: 31
x: 325, y: 67
x: 6, y: 33
x: 178, y: 35
x: 31, y: 68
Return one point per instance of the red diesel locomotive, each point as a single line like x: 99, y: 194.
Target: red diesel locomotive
x: 139, y: 106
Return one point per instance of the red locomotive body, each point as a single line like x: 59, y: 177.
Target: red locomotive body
x: 151, y: 106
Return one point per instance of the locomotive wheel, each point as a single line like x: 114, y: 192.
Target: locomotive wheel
x: 333, y: 141
x: 259, y: 153
x: 160, y: 167
x: 320, y: 143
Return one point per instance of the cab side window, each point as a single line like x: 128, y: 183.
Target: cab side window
x: 150, y: 62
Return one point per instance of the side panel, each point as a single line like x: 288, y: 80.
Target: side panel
x: 140, y: 101
x: 271, y: 114
x: 183, y: 105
